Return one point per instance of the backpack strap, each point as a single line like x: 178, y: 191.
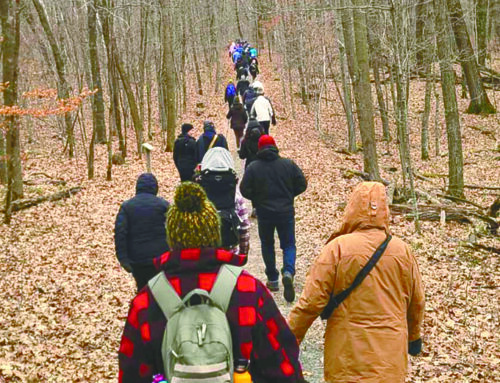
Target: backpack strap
x: 224, y: 285
x: 165, y: 295
x: 212, y: 142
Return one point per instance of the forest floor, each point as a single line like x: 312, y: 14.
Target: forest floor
x: 65, y: 298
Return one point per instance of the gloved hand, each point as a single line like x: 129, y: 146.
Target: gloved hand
x: 273, y: 120
x: 415, y: 347
x: 126, y: 265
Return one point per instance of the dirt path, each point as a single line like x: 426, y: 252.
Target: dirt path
x: 311, y: 348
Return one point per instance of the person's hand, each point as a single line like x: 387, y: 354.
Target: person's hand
x: 273, y: 120
x: 127, y: 266
x: 415, y: 347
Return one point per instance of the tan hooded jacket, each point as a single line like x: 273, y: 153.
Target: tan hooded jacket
x: 367, y: 336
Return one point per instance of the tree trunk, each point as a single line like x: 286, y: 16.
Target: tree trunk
x: 63, y: 87
x: 346, y: 87
x: 424, y: 133
x: 3, y: 163
x: 134, y: 112
x: 97, y: 101
x: 479, y: 102
x: 238, y: 24
x: 455, y: 156
x: 362, y: 91
x: 482, y: 30
x: 10, y: 20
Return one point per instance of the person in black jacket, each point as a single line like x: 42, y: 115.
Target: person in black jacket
x: 140, y: 230
x: 185, y: 153
x: 208, y: 140
x: 250, y: 143
x: 271, y: 183
x: 239, y: 118
x: 242, y: 85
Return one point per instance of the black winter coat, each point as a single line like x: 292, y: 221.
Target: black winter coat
x: 204, y: 142
x: 140, y: 232
x: 250, y: 145
x: 272, y: 183
x: 238, y: 117
x: 185, y: 156
x: 242, y: 86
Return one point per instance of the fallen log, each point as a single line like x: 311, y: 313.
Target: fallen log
x: 482, y: 187
x: 433, y: 213
x: 478, y: 246
x: 26, y: 203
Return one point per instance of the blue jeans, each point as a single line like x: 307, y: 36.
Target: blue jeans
x: 286, y: 233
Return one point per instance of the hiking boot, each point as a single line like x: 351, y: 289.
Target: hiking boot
x: 289, y: 292
x: 273, y: 285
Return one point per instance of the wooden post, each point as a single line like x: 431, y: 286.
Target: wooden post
x: 148, y: 148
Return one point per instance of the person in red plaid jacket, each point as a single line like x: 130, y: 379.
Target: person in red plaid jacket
x: 260, y: 333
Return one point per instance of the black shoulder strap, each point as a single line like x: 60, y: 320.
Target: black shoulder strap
x: 336, y: 300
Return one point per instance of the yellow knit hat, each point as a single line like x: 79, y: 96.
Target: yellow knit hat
x: 192, y: 220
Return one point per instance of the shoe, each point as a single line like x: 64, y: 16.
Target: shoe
x: 289, y: 291
x: 254, y: 213
x: 273, y: 285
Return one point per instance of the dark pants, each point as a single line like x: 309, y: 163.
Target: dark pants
x: 230, y: 100
x: 265, y: 125
x: 186, y: 174
x: 142, y: 274
x: 285, y: 226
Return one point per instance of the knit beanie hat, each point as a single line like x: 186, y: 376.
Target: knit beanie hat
x: 186, y: 128
x: 192, y: 220
x: 266, y: 140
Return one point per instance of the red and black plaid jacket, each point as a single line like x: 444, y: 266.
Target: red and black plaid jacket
x: 259, y: 331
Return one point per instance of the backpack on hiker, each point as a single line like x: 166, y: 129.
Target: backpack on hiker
x: 197, y: 343
x: 231, y: 90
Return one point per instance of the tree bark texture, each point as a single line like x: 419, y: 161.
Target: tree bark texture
x: 455, y: 155
x: 362, y: 91
x: 479, y: 102
x: 97, y: 101
x: 10, y: 20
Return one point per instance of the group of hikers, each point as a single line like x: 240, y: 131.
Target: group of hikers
x: 199, y: 316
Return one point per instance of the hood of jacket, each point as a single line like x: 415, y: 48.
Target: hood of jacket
x: 146, y: 183
x: 188, y: 260
x: 268, y: 153
x: 367, y: 209
x: 217, y: 159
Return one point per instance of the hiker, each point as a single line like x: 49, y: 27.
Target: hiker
x: 271, y: 183
x: 249, y: 98
x: 208, y: 140
x: 254, y: 69
x: 242, y: 85
x: 140, y: 230
x: 238, y: 117
x: 262, y: 108
x: 250, y: 143
x: 370, y: 333
x: 185, y: 153
x: 253, y: 53
x: 242, y: 71
x: 230, y: 93
x: 244, y: 316
x: 219, y: 180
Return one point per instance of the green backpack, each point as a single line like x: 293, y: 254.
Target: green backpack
x: 197, y: 344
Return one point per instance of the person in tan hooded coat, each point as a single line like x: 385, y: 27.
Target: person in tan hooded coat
x: 369, y: 335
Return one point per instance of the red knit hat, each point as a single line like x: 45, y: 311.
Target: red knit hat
x: 266, y: 140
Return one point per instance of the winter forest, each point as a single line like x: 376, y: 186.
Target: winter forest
x: 94, y: 92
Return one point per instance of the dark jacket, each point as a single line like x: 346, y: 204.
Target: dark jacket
x: 204, y: 142
x: 140, y: 224
x: 250, y: 144
x: 249, y: 98
x: 259, y: 331
x: 185, y: 156
x: 272, y: 183
x: 238, y: 117
x: 242, y: 86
